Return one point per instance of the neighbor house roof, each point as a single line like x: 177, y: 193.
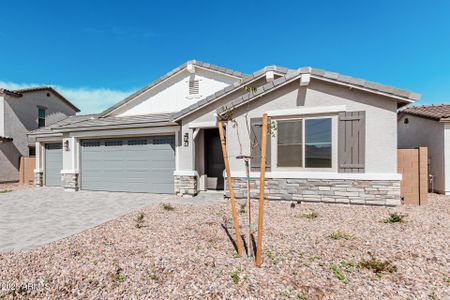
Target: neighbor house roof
x: 170, y: 74
x: 9, y: 92
x: 229, y: 89
x: 20, y: 92
x: 151, y: 120
x: 71, y: 120
x: 402, y: 95
x: 439, y: 112
x: 5, y: 139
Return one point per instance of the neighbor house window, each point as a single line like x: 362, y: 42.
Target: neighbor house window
x: 41, y: 117
x: 304, y: 143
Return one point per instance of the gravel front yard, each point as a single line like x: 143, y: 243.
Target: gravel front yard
x: 185, y: 253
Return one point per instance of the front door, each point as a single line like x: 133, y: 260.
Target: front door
x: 214, y: 164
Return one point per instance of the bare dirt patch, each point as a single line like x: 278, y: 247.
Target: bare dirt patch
x: 184, y: 253
x: 10, y: 186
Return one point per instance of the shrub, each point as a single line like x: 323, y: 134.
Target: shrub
x: 347, y: 265
x: 301, y: 296
x: 338, y: 273
x: 395, y: 218
x: 377, y: 266
x: 140, y: 220
x: 5, y: 191
x: 242, y: 208
x: 340, y: 235
x: 235, y: 277
x: 310, y: 215
x: 168, y: 207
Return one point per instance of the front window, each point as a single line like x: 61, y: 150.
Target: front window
x: 290, y: 143
x: 41, y: 117
x: 304, y: 143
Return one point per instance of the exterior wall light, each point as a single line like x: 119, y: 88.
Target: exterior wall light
x: 66, y: 145
x: 186, y: 139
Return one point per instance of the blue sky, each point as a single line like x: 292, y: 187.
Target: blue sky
x: 97, y: 52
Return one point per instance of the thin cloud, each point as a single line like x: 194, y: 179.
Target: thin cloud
x: 89, y: 100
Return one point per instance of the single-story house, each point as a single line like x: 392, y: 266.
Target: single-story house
x: 21, y: 111
x: 335, y: 138
x: 429, y: 126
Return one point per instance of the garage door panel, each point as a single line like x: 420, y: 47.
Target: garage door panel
x: 132, y: 164
x: 53, y: 164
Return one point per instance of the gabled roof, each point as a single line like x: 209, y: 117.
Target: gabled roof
x: 229, y: 89
x: 151, y: 120
x: 439, y: 112
x: 20, y: 92
x: 403, y: 95
x: 71, y: 120
x: 170, y: 74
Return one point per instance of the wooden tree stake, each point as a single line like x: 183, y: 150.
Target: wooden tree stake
x: 231, y: 191
x: 261, y: 191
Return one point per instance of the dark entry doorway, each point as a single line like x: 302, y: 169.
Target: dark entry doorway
x: 214, y: 164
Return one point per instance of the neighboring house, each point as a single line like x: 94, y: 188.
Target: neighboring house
x: 429, y: 126
x: 21, y: 111
x: 336, y: 136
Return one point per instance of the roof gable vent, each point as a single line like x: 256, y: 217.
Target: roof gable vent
x: 194, y: 88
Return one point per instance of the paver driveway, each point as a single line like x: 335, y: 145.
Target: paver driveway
x: 36, y: 216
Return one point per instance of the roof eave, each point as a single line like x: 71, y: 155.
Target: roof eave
x: 280, y: 71
x: 113, y: 127
x: 295, y: 76
x: 167, y: 76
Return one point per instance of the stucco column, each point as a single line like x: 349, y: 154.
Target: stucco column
x: 39, y: 168
x: 70, y: 171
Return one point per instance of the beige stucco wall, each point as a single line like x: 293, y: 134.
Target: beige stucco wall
x: 206, y: 114
x: 172, y: 95
x: 381, y: 121
x: 421, y: 132
x: 21, y: 115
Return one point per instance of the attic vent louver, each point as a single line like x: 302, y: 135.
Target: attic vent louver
x: 193, y: 87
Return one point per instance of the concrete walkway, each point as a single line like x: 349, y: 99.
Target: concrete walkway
x: 32, y: 217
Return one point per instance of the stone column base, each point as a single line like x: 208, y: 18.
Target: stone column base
x: 38, y: 179
x: 70, y: 182
x: 186, y: 185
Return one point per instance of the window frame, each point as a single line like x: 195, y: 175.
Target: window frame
x: 274, y: 142
x: 39, y: 116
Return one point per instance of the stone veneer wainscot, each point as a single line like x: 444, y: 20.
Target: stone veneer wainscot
x: 343, y: 191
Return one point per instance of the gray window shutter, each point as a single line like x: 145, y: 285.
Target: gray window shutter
x: 351, y: 142
x: 255, y: 139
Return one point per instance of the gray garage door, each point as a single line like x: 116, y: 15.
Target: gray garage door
x: 53, y: 164
x: 144, y: 164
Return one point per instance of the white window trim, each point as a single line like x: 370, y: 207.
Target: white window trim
x: 302, y: 111
x: 334, y: 145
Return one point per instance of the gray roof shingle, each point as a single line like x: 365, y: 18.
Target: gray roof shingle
x: 64, y: 122
x: 169, y: 74
x: 235, y: 86
x: 439, y: 112
x: 127, y: 121
x: 321, y: 74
